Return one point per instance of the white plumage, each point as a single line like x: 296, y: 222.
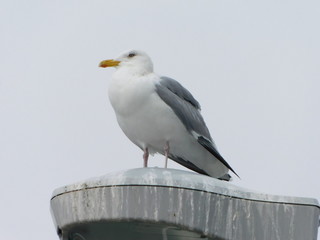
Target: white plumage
x: 160, y: 116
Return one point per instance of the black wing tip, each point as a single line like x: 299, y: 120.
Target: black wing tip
x: 189, y: 165
x: 208, y: 145
x: 235, y: 173
x: 193, y: 167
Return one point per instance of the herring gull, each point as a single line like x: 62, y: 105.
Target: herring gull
x: 159, y: 115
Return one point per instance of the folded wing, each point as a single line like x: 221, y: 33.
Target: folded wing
x: 187, y: 109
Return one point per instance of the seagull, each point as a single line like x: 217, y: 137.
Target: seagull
x: 159, y: 115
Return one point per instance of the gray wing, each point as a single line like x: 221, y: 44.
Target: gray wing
x: 187, y: 108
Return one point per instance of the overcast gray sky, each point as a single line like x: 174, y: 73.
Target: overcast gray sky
x: 253, y: 66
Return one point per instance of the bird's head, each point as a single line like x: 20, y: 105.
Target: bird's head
x: 135, y: 61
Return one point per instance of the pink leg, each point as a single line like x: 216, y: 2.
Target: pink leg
x: 166, y: 154
x: 145, y: 157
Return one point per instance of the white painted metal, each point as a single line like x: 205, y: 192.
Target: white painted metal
x: 154, y: 203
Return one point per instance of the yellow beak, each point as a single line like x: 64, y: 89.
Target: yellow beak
x: 109, y: 63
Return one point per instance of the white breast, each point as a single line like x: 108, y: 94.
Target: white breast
x: 142, y: 115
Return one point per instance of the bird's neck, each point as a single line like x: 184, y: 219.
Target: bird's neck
x: 127, y: 93
x: 134, y: 71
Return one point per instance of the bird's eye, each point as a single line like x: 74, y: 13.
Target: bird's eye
x: 131, y: 55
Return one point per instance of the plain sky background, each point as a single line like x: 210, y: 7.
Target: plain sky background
x: 252, y: 65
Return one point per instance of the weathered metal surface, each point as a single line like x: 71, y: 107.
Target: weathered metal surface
x: 153, y: 203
